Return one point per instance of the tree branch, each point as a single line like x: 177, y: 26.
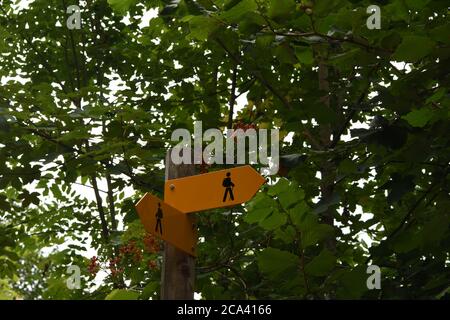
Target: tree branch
x: 112, y: 210
x: 352, y: 112
x: 105, y: 164
x: 74, y: 53
x: 257, y: 75
x: 104, y: 224
x: 232, y: 97
x: 412, y: 209
x: 44, y: 62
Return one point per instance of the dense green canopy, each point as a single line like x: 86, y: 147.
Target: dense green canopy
x: 365, y: 179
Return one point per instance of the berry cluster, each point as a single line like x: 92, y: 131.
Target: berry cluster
x: 114, y: 266
x: 129, y: 253
x: 93, y: 266
x: 151, y: 243
x: 152, y: 264
x: 244, y: 126
x: 131, y: 250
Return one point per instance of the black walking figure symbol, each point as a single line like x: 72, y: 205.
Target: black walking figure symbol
x: 229, y: 185
x: 159, y: 216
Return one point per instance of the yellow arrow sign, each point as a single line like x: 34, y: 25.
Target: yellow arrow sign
x: 168, y: 223
x: 216, y: 189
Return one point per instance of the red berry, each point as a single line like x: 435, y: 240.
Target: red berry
x: 152, y: 265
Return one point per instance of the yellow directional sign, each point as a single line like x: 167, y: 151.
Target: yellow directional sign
x: 216, y: 189
x: 168, y: 223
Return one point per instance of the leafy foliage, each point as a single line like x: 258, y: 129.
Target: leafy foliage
x: 97, y: 107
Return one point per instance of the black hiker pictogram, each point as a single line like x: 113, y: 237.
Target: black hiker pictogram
x: 159, y: 216
x: 229, y: 185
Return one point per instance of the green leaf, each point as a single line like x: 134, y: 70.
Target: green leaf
x: 398, y: 186
x: 131, y: 215
x: 257, y: 215
x: 413, y: 48
x: 281, y: 8
x: 304, y: 55
x: 287, y: 235
x: 4, y: 204
x: 7, y: 295
x: 237, y: 12
x: 252, y: 23
x: 274, y: 221
x: 434, y: 230
x: 316, y: 233
x: 149, y: 290
x: 324, y: 204
x: 281, y: 186
x: 347, y: 167
x: 291, y: 197
x: 201, y: 27
x: 285, y: 54
x: 121, y: 6
x: 297, y: 213
x: 405, y: 242
x: 441, y: 33
x: 353, y: 283
x: 261, y: 201
x: 120, y: 294
x: 56, y: 191
x: 443, y: 293
x: 437, y: 96
x: 322, y: 264
x: 416, y: 4
x: 136, y: 276
x: 288, y: 192
x: 396, y: 11
x: 419, y: 117
x: 324, y: 7
x: 275, y: 263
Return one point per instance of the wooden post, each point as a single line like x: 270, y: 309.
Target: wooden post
x: 178, y: 270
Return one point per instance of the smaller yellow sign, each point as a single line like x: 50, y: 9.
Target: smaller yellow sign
x: 167, y: 223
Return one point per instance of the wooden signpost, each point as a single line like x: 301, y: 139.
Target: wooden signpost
x: 173, y: 221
